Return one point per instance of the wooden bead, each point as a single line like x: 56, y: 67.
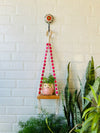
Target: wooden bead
x: 41, y: 78
x: 53, y: 70
x: 53, y: 67
x: 39, y: 92
x: 42, y: 74
x: 44, y: 64
x: 42, y: 71
x: 40, y: 85
x: 52, y: 64
x: 54, y: 74
x: 55, y: 84
x: 56, y: 92
x: 50, y: 54
x: 55, y: 81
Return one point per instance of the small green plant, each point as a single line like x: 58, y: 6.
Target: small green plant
x: 38, y: 125
x: 50, y: 79
x: 91, y: 115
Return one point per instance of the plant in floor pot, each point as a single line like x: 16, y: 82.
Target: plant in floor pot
x: 48, y: 85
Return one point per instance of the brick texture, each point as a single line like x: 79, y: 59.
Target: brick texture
x: 76, y: 38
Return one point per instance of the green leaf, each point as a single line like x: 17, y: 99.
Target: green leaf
x: 82, y: 92
x: 90, y: 95
x: 95, y: 121
x: 90, y: 76
x: 88, y: 99
x: 99, y: 100
x: 95, y: 131
x: 97, y: 67
x: 51, y: 79
x: 77, y: 130
x: 87, y: 110
x: 48, y: 126
x: 45, y: 80
x: 86, y: 124
x: 94, y: 94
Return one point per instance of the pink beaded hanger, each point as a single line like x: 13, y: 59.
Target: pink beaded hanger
x: 48, y: 49
x: 48, y: 19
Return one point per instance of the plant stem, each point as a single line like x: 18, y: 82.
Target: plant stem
x: 75, y: 127
x: 48, y: 126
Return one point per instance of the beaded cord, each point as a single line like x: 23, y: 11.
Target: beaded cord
x: 48, y: 49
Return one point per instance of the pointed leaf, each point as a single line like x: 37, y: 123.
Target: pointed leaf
x: 94, y: 94
x: 81, y: 92
x: 90, y: 95
x: 95, y: 121
x: 97, y: 67
x: 86, y: 124
x: 87, y: 110
x: 48, y: 126
x: 90, y: 76
x: 99, y: 100
x: 88, y: 99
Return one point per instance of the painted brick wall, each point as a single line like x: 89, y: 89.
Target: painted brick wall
x: 22, y: 44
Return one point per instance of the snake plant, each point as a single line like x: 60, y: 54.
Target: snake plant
x: 90, y: 79
x: 72, y: 109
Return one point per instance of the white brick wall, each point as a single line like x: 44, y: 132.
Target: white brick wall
x: 22, y: 44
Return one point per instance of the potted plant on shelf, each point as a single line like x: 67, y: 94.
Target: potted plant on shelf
x: 48, y: 85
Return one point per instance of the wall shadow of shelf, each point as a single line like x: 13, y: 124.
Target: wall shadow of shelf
x: 47, y: 97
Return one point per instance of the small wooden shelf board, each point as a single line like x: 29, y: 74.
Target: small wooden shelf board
x: 47, y: 97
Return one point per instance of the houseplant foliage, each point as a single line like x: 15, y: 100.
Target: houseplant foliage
x: 92, y: 114
x: 38, y: 124
x: 86, y: 90
x: 48, y: 85
x: 72, y: 109
x: 50, y: 79
x: 90, y: 79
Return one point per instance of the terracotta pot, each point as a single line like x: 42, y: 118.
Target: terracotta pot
x: 47, y: 89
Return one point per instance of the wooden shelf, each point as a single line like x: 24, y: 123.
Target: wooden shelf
x: 47, y: 97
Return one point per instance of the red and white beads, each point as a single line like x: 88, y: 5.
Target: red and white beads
x: 48, y: 48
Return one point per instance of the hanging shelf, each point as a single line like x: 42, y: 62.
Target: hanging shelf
x: 47, y: 97
x: 48, y: 19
